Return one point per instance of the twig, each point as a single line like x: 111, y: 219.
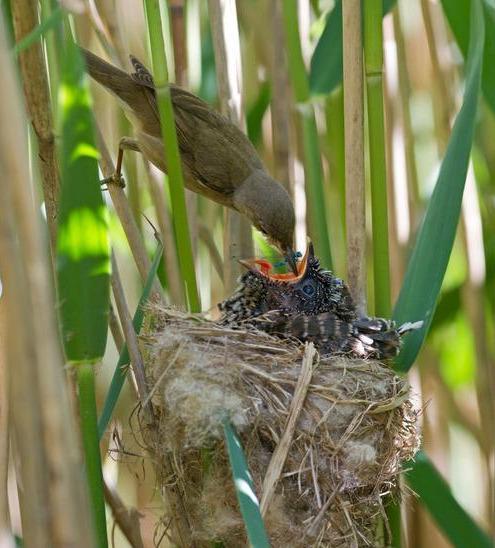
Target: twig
x: 129, y: 333
x: 126, y: 518
x: 124, y: 213
x: 354, y: 151
x: 281, y: 451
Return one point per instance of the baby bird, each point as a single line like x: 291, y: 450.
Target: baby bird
x: 312, y: 306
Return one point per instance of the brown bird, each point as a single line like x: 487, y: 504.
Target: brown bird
x: 218, y: 160
x: 312, y: 306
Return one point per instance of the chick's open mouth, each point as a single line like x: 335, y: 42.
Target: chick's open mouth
x: 265, y: 268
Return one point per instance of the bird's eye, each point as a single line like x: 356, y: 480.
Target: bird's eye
x: 308, y: 289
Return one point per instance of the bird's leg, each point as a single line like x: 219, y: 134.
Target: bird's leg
x: 126, y: 143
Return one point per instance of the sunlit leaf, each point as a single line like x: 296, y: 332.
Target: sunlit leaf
x: 83, y: 260
x: 248, y: 501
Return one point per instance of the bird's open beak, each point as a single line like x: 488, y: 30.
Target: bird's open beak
x: 264, y: 267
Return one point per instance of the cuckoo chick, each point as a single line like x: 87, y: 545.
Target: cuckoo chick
x: 312, y: 306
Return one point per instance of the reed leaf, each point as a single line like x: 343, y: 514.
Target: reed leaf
x: 431, y: 253
x: 435, y: 494
x: 124, y: 359
x: 83, y: 260
x: 457, y: 14
x: 248, y: 502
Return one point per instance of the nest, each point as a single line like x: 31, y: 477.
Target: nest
x: 324, y: 436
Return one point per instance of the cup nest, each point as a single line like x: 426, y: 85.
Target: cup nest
x: 324, y: 437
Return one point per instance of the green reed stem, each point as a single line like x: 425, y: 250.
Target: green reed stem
x: 171, y: 150
x: 312, y: 158
x: 373, y: 48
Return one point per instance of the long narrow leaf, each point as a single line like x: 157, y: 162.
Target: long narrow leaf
x: 248, y: 502
x: 83, y: 261
x: 457, y: 14
x: 435, y: 494
x: 428, y: 263
x: 83, y: 251
x: 124, y: 360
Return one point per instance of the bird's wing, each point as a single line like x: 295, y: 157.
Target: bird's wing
x: 215, y: 150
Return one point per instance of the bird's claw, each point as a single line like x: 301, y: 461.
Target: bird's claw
x: 115, y: 179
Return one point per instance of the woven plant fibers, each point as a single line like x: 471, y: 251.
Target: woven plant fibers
x: 356, y: 426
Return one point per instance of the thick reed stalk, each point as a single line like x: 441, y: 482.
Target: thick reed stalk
x: 373, y: 51
x: 225, y: 34
x: 35, y: 84
x: 54, y: 504
x: 171, y: 150
x: 280, y: 104
x: 312, y: 160
x: 354, y: 151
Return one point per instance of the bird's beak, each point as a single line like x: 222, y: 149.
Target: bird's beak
x: 291, y: 260
x: 264, y: 267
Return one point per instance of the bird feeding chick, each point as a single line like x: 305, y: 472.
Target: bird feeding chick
x: 312, y: 305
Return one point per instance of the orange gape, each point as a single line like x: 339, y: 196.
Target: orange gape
x: 265, y: 268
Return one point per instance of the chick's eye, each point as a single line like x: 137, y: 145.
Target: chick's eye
x: 308, y: 289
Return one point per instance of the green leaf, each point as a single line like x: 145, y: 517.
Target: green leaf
x: 243, y: 482
x: 124, y: 360
x: 457, y: 14
x: 83, y: 261
x: 429, y: 259
x: 326, y: 63
x: 83, y: 251
x: 51, y: 22
x: 435, y: 494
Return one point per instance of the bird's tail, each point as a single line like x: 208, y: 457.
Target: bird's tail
x: 114, y: 80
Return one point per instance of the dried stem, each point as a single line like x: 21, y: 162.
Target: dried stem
x: 42, y: 420
x: 223, y: 20
x: 35, y: 84
x: 126, y: 518
x: 279, y: 456
x: 129, y: 332
x: 354, y: 151
x: 280, y: 104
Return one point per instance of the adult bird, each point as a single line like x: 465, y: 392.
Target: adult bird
x: 218, y: 160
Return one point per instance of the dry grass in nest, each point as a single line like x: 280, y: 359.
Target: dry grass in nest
x: 324, y: 437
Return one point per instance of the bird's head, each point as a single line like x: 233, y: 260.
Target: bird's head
x: 311, y: 290
x: 268, y: 206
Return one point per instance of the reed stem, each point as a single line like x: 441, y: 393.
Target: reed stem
x: 354, y: 151
x: 312, y: 159
x: 171, y: 150
x: 373, y: 50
